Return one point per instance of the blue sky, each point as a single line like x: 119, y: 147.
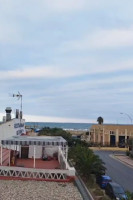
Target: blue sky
x: 71, y: 60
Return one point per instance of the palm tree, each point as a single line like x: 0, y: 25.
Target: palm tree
x: 100, y: 120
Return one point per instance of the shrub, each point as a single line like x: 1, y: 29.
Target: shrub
x: 131, y: 155
x: 127, y: 153
x: 86, y: 161
x: 129, y: 195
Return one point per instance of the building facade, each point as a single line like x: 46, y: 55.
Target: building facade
x: 110, y: 134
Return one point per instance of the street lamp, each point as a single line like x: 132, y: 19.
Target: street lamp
x: 127, y: 116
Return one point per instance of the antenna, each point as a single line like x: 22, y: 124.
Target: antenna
x: 19, y: 96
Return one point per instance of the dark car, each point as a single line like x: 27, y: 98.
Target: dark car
x: 103, y: 180
x: 115, y: 191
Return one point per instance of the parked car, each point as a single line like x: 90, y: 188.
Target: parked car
x: 115, y: 191
x: 103, y: 180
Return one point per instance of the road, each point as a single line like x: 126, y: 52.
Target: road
x: 118, y: 171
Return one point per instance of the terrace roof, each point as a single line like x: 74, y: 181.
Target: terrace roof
x: 38, y: 140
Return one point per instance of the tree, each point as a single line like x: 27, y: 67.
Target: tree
x: 100, y: 120
x: 55, y: 132
x: 85, y: 161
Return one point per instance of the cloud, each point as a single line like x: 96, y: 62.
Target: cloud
x: 9, y: 32
x: 35, y: 118
x: 63, y: 71
x: 63, y: 5
x: 41, y: 72
x: 52, y: 5
x: 102, y: 39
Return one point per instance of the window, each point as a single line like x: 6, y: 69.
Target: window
x: 112, y: 132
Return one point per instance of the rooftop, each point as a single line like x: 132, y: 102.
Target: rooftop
x: 38, y: 190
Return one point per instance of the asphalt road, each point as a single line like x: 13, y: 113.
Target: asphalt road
x: 118, y: 171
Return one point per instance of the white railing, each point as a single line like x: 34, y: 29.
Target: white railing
x: 34, y: 173
x: 62, y: 160
x: 64, y: 164
x: 57, y: 174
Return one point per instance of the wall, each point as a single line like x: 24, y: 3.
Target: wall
x: 11, y: 128
x: 38, y: 151
x: 48, y: 150
x: 101, y: 133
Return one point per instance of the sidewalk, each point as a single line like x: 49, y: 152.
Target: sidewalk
x: 108, y: 148
x: 125, y: 159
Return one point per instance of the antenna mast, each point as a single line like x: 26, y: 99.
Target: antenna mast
x: 19, y: 96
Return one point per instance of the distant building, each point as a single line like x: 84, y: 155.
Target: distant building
x: 110, y: 134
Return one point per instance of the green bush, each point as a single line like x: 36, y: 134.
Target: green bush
x: 131, y: 155
x: 129, y: 195
x: 86, y: 162
x: 127, y: 153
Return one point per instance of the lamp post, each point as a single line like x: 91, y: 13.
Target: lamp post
x: 127, y: 116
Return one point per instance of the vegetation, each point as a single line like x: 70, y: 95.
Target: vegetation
x: 129, y: 195
x: 85, y: 161
x: 128, y: 153
x: 55, y: 132
x: 95, y: 190
x: 100, y: 120
x: 60, y: 132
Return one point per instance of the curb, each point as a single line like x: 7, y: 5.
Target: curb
x: 124, y: 162
x: 86, y: 189
x: 108, y: 149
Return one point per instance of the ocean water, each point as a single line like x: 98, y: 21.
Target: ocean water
x: 65, y: 126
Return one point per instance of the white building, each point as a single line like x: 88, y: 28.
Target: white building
x: 11, y: 127
x: 36, y: 158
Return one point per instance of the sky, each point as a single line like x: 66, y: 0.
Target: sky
x: 72, y: 60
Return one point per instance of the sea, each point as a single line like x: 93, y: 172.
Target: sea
x: 65, y: 126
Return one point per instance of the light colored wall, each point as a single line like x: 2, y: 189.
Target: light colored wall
x: 113, y: 127
x: 7, y: 129
x: 119, y: 130
x: 38, y: 153
x: 49, y: 151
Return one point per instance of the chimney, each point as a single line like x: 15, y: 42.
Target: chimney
x: 8, y: 113
x: 4, y: 118
x: 21, y: 114
x: 17, y: 113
